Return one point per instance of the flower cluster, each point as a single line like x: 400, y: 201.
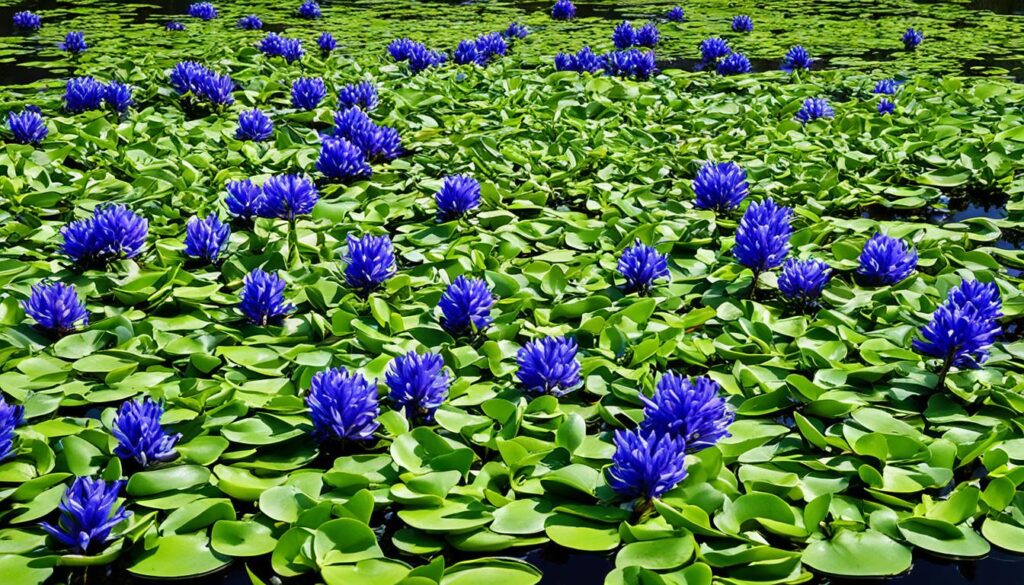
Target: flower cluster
x: 516, y: 31
x: 11, y: 417
x: 625, y: 36
x: 74, y: 43
x: 631, y: 63
x: 480, y: 51
x: 56, y: 308
x: 118, y: 96
x: 813, y: 109
x: 964, y: 326
x: 28, y: 127
x: 886, y: 86
x: 886, y: 260
x: 802, y: 281
x: 343, y: 406
x: 174, y: 26
x: 371, y: 261
x: 308, y: 92
x: 459, y: 195
x: 645, y: 464
x: 377, y: 143
x: 549, y: 366
x: 912, y: 38
x: 254, y: 125
x: 244, y: 199
x: 362, y: 95
x: 326, y: 43
x: 193, y: 80
x: 466, y: 305
x: 418, y: 384
x: 742, y: 23
x: 720, y: 187
x: 88, y: 513
x: 139, y: 434
x: 762, y: 238
x: 690, y: 409
x: 886, y: 107
x: 584, y: 61
x: 286, y: 197
x: 417, y: 54
x: 675, y: 14
x: 82, y: 94
x: 205, y: 239
x: 309, y: 9
x: 202, y: 11
x: 250, y: 22
x: 262, y: 298
x: 796, y: 58
x: 641, y: 265
x: 340, y: 160
x: 112, y: 232
x: 26, y: 20
x: 563, y: 10
x: 733, y: 64
x: 712, y: 49
x: 275, y: 45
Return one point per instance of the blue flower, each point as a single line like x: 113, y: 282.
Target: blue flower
x: 26, y: 20
x: 139, y: 434
x: 742, y: 23
x: 88, y: 513
x: 254, y: 125
x: 422, y: 58
x: 341, y: 160
x: 813, y: 109
x: 648, y: 35
x: 962, y: 328
x: 244, y: 199
x: 459, y: 195
x: 676, y: 14
x: 112, y: 232
x: 687, y: 408
x: 347, y: 121
x: 401, y: 49
x: 795, y: 58
x: 887, y: 86
x: 912, y: 38
x: 733, y: 64
x: 262, y: 298
x: 584, y: 61
x: 371, y: 261
x: 28, y: 127
x: 271, y: 45
x: 326, y: 42
x: 309, y: 9
x: 641, y: 265
x: 720, y: 186
x: 631, y: 63
x: 82, y: 94
x: 886, y: 260
x: 343, y: 406
x: 466, y: 54
x: 886, y: 107
x: 516, y: 31
x: 712, y: 49
x: 646, y: 465
x: 202, y: 11
x: 250, y: 22
x: 307, y: 93
x: 624, y: 36
x: 762, y: 238
x: 549, y: 366
x: 118, y: 96
x: 491, y: 45
x: 174, y: 26
x: 215, y: 89
x: 185, y: 76
x: 377, y: 143
x: 802, y: 281
x: 74, y: 43
x: 466, y: 305
x: 286, y: 197
x: 362, y: 95
x: 56, y: 308
x: 206, y: 238
x: 418, y: 384
x: 11, y: 417
x: 563, y: 10
x: 291, y: 50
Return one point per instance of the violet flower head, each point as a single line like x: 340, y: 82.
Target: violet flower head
x: 563, y: 10
x: 340, y: 160
x: 742, y: 23
x: 118, y: 96
x: 646, y: 465
x: 28, y: 127
x: 250, y: 22
x: 418, y: 384
x: 11, y: 417
x: 112, y: 232
x: 814, y: 109
x: 459, y: 195
x: 549, y: 366
x: 720, y: 187
x: 343, y: 406
x: 139, y: 434
x: 675, y: 14
x: 74, y: 43
x: 733, y: 64
x: 88, y: 514
x: 308, y: 92
x: 803, y: 281
x: 762, y: 238
x: 963, y: 327
x: 641, y: 265
x: 362, y: 95
x: 690, y: 408
x: 243, y: 199
x: 56, y: 308
x: 262, y: 299
x: 326, y: 43
x: 254, y: 125
x: 82, y: 94
x: 466, y: 305
x: 287, y: 197
x: 25, y: 20
x: 371, y: 262
x: 206, y: 239
x: 912, y: 38
x: 796, y: 58
x: 886, y: 260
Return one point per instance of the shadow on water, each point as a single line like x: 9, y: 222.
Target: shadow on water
x: 998, y: 567
x: 999, y: 6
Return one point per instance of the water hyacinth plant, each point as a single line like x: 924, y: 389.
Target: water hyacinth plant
x: 200, y: 85
x: 563, y: 10
x: 815, y: 109
x: 82, y: 94
x: 646, y: 465
x: 675, y: 14
x: 254, y: 125
x: 648, y: 35
x: 886, y: 107
x: 624, y: 35
x: 275, y: 45
x: 287, y: 197
x: 720, y: 187
x: 459, y: 194
x: 362, y: 95
x: 174, y: 26
x: 88, y: 514
x: 963, y: 327
x: 371, y: 262
x: 250, y: 22
x: 202, y: 11
x: 584, y: 61
x: 206, y: 239
x: 309, y: 9
x: 26, y: 20
x: 466, y: 305
x: 326, y: 42
x: 733, y: 64
x: 343, y: 406
x: 421, y: 58
x: 74, y: 43
x: 802, y: 281
x: 796, y: 58
x: 549, y: 366
x: 56, y: 308
x: 631, y: 64
x: 377, y: 143
x: 885, y: 260
x: 912, y: 38
x: 113, y: 232
x: 140, y: 436
x: 689, y: 408
x: 27, y: 127
x: 742, y: 23
x: 262, y: 298
x: 118, y: 96
x: 418, y: 384
x: 641, y: 265
x: 886, y: 86
x: 244, y: 199
x: 712, y: 49
x: 308, y: 92
x: 516, y: 31
x: 12, y: 416
x: 762, y: 238
x: 340, y: 160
